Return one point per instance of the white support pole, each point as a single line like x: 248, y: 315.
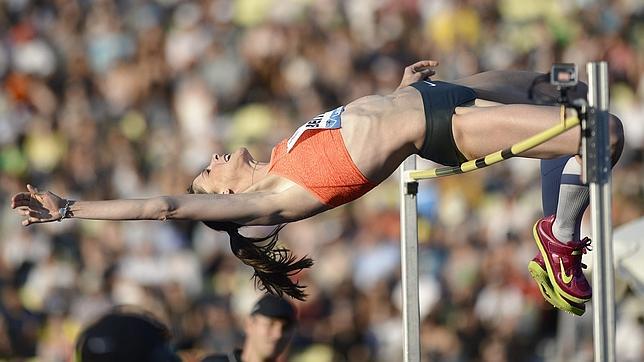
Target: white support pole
x: 409, y: 263
x: 567, y: 336
x: 597, y: 168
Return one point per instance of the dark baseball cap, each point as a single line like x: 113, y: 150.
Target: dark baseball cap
x: 275, y: 307
x: 125, y: 335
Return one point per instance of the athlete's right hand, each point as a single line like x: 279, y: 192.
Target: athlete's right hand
x: 37, y: 207
x: 418, y: 71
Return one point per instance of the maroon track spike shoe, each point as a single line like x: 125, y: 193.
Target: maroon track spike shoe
x: 537, y: 268
x: 563, y: 262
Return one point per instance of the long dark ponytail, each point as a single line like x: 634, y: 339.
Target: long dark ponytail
x: 274, y: 265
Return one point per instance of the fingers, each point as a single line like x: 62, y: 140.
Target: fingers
x: 39, y: 214
x: 28, y: 198
x: 25, y: 209
x: 32, y: 189
x: 420, y: 70
x: 426, y: 73
x: 28, y: 221
x: 34, y: 217
x: 21, y: 199
x: 423, y: 65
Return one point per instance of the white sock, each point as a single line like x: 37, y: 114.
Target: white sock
x: 573, y: 200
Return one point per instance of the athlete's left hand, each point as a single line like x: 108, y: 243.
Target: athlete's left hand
x: 418, y: 71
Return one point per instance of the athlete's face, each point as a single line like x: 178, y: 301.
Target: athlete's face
x: 226, y: 173
x: 267, y: 337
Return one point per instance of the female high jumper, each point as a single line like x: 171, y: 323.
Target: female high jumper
x: 340, y: 155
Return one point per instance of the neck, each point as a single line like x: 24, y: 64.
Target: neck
x: 248, y: 356
x: 259, y: 180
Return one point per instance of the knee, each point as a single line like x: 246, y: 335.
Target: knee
x: 616, y: 137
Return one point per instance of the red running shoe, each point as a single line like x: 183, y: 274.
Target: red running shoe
x: 563, y: 262
x: 537, y: 269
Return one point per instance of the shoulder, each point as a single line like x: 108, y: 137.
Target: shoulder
x: 294, y: 202
x: 283, y: 201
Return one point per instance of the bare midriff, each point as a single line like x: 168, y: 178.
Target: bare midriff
x: 381, y: 131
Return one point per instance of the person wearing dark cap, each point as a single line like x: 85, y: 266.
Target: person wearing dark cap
x: 125, y: 335
x: 268, y: 331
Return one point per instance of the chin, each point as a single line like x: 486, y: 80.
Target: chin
x: 246, y: 154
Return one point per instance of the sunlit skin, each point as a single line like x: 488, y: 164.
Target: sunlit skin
x: 379, y: 133
x: 229, y: 173
x: 266, y: 338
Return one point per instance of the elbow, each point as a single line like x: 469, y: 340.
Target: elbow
x: 163, y: 208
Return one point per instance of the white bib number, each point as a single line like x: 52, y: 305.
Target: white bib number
x: 328, y: 120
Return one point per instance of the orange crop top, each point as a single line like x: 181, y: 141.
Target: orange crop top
x: 320, y: 163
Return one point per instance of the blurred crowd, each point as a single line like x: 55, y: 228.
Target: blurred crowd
x: 129, y: 98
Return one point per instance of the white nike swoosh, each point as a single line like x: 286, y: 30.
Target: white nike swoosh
x: 430, y: 83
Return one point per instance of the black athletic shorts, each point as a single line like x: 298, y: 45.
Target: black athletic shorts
x: 439, y: 101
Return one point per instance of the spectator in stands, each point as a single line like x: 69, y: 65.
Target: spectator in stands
x: 269, y: 329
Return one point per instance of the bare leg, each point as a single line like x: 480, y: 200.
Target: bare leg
x: 487, y: 127
x: 479, y: 131
x: 513, y: 87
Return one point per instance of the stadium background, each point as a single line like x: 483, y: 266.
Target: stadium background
x: 108, y: 99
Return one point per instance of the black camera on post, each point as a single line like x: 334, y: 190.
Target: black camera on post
x: 563, y: 75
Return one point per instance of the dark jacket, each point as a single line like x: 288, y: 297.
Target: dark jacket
x: 229, y: 357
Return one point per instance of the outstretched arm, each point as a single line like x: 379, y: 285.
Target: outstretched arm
x: 248, y: 209
x: 41, y: 207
